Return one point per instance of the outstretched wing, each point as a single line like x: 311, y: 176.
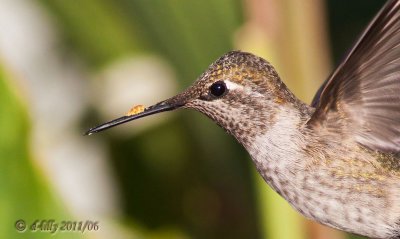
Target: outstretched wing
x: 365, y: 89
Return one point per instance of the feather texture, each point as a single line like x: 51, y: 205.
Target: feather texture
x: 365, y: 88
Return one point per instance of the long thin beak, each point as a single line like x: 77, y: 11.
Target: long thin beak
x: 157, y: 108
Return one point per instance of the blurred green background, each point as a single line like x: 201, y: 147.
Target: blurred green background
x: 68, y: 65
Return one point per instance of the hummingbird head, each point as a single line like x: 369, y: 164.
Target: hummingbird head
x: 240, y: 92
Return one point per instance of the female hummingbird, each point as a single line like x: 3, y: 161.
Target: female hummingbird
x: 336, y: 161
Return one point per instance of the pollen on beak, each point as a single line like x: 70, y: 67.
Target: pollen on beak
x: 135, y: 113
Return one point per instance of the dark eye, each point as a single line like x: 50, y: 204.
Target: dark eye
x: 218, y: 88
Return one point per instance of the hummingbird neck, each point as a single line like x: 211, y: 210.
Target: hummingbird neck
x: 269, y: 120
x: 278, y: 151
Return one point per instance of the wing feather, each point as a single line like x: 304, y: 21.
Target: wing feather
x: 365, y: 88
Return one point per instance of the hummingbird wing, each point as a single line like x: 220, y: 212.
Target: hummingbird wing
x: 365, y: 88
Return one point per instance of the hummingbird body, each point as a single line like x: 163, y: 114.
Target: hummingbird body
x: 330, y: 179
x: 336, y: 161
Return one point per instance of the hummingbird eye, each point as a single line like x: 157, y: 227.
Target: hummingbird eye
x: 218, y: 89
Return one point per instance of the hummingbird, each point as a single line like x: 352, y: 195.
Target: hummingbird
x: 337, y: 160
